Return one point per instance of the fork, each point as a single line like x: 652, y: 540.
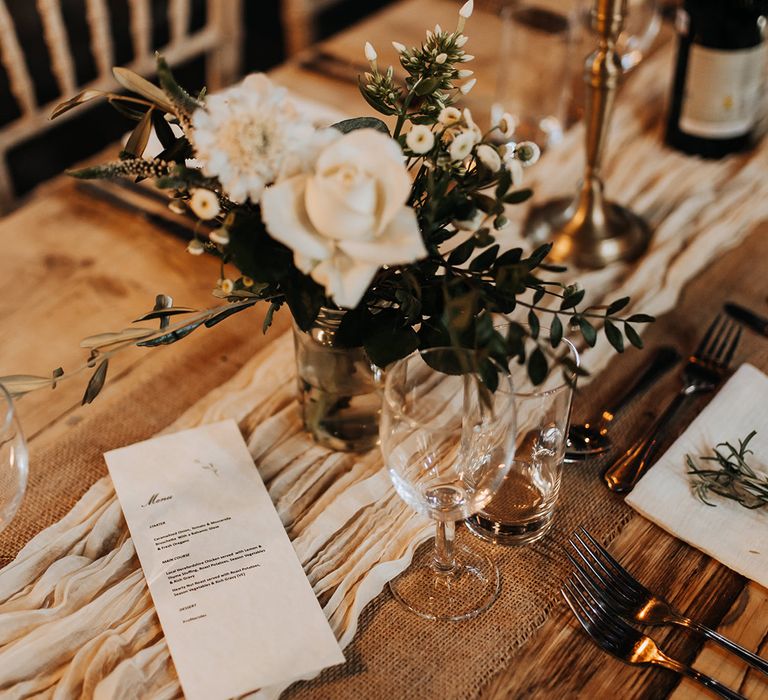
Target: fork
x: 607, y: 580
x: 626, y: 643
x: 704, y: 370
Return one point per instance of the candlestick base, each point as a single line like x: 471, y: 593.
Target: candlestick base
x: 588, y: 232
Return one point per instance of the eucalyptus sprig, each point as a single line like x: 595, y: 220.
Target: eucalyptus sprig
x: 733, y: 478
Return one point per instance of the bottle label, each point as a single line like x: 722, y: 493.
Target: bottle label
x: 722, y: 91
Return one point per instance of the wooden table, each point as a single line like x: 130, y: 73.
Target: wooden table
x: 73, y: 266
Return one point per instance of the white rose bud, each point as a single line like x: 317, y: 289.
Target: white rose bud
x: 370, y: 52
x: 489, y: 157
x: 466, y: 73
x: 467, y: 57
x: 468, y: 86
x: 438, y: 29
x: 420, y: 139
x: 400, y: 48
x: 205, y: 204
x: 466, y: 9
x: 449, y: 116
x: 461, y: 40
x: 441, y: 58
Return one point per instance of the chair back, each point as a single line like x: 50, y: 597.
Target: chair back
x: 219, y: 40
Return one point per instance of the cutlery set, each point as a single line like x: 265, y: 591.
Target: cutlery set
x: 606, y: 598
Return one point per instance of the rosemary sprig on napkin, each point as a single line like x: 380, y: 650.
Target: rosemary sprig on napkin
x: 733, y: 478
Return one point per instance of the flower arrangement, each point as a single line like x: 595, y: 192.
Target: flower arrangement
x: 394, y: 222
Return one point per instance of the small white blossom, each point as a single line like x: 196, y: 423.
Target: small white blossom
x: 397, y: 46
x: 220, y: 236
x: 370, y: 52
x: 438, y: 29
x: 515, y: 168
x: 461, y: 40
x: 527, y: 152
x: 462, y: 145
x: 468, y: 86
x: 247, y: 281
x: 195, y: 247
x: 470, y: 122
x: 489, y: 157
x: 420, y: 139
x: 466, y: 73
x: 466, y: 9
x: 467, y: 57
x: 205, y: 204
x: 429, y: 34
x: 507, y: 125
x: 449, y: 116
x: 177, y: 206
x: 441, y: 58
x: 226, y: 285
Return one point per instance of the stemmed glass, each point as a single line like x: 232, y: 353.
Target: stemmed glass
x: 448, y: 443
x: 13, y: 460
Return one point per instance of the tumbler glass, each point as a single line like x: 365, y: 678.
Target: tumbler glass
x: 13, y: 460
x: 521, y: 512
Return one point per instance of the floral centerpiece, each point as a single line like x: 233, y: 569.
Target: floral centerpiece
x: 377, y: 234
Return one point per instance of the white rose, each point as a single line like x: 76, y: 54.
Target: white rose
x: 348, y: 218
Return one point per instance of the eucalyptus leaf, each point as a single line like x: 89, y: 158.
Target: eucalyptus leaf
x: 227, y: 312
x: 79, y: 99
x: 164, y: 312
x: 616, y: 306
x: 588, y: 331
x: 101, y: 340
x: 555, y: 331
x: 19, y: 384
x: 533, y: 322
x: 388, y: 344
x: 633, y: 336
x: 141, y: 86
x: 462, y: 252
x: 614, y: 336
x: 518, y: 197
x: 485, y: 259
x: 139, y: 137
x: 347, y: 125
x: 96, y: 383
x: 641, y: 318
x: 537, y: 366
x: 572, y: 299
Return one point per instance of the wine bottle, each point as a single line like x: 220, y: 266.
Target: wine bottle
x: 719, y: 76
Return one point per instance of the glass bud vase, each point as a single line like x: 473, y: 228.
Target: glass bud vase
x: 340, y: 401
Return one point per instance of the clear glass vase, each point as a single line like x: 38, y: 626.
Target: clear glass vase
x: 340, y: 400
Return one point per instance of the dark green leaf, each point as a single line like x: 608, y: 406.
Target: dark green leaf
x: 226, y: 313
x: 483, y: 237
x: 303, y: 296
x: 555, y: 331
x: 588, y: 331
x: 505, y: 182
x: 533, y: 322
x: 487, y: 204
x: 616, y: 306
x: 614, y: 336
x: 373, y: 102
x: 518, y: 196
x: 163, y: 130
x: 347, y: 125
x: 633, y: 336
x: 641, y: 318
x: 485, y: 259
x: 164, y: 312
x: 538, y: 255
x: 462, y: 252
x: 538, y: 295
x: 489, y: 373
x: 80, y: 98
x: 172, y: 336
x: 552, y: 268
x: 510, y: 257
x: 96, y: 382
x: 537, y: 366
x: 274, y: 306
x: 354, y: 327
x: 572, y: 299
x: 425, y: 87
x: 388, y: 344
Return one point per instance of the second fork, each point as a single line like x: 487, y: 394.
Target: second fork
x: 704, y: 370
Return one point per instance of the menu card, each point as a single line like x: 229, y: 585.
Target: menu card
x: 235, y: 605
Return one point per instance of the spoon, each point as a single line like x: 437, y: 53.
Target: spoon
x: 591, y: 438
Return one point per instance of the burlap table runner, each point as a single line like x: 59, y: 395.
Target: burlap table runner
x: 75, y: 614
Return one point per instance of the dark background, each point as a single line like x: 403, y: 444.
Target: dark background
x: 64, y: 144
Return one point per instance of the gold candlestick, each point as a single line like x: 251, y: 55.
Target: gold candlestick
x: 588, y: 230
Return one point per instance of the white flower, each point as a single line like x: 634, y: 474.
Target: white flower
x: 466, y: 9
x: 220, y: 236
x: 465, y: 73
x: 420, y: 139
x: 195, y: 247
x: 438, y: 29
x: 441, y: 58
x: 397, y: 46
x: 489, y: 157
x: 527, y: 152
x: 347, y: 218
x: 467, y: 57
x: 205, y: 204
x: 461, y: 40
x: 462, y: 145
x: 507, y: 125
x: 226, y: 285
x: 370, y: 52
x: 250, y: 135
x: 471, y: 125
x: 515, y: 168
x: 468, y: 86
x: 449, y: 116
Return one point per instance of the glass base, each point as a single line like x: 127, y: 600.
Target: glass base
x: 507, y: 533
x: 468, y: 590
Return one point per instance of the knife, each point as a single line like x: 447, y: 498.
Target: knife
x: 757, y: 323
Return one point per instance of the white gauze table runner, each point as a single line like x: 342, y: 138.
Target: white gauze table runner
x: 76, y: 618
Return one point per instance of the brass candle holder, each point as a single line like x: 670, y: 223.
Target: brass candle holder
x: 588, y: 230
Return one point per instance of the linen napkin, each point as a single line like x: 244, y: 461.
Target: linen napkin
x: 728, y: 532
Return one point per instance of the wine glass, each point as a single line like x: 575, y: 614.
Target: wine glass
x: 448, y: 443
x: 13, y: 460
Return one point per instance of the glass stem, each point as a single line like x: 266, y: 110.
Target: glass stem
x: 445, y: 560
